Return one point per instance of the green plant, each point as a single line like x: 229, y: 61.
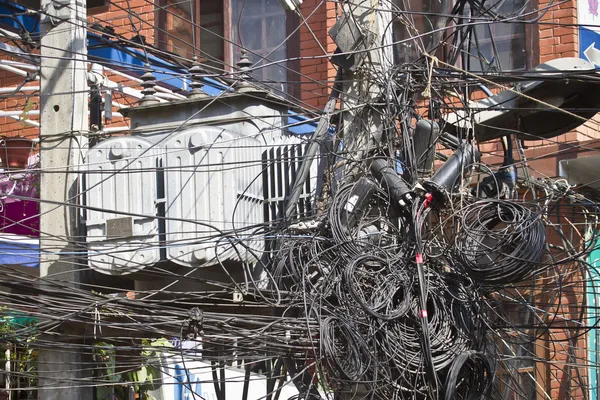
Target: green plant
x: 18, y: 333
x: 29, y: 105
x: 144, y: 378
x: 105, y: 355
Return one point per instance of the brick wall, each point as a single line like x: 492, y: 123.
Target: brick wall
x: 315, y: 43
x: 117, y: 17
x: 556, y: 40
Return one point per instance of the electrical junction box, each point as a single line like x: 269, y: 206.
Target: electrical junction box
x: 194, y: 184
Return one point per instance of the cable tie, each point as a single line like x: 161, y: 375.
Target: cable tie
x: 419, y: 258
x: 423, y: 313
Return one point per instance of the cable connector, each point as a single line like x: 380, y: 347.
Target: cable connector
x: 428, y: 200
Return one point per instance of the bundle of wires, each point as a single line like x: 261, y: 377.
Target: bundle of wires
x: 500, y: 241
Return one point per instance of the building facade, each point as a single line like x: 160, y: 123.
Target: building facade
x: 290, y: 53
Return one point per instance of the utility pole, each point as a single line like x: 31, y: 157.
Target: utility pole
x: 63, y: 118
x: 368, y: 24
x: 365, y: 30
x: 364, y: 37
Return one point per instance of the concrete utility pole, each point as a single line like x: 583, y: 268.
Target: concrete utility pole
x: 368, y: 30
x: 63, y: 117
x: 372, y: 39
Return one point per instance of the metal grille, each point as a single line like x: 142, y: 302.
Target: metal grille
x: 280, y: 164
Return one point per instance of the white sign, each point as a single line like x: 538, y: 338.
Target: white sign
x: 588, y: 14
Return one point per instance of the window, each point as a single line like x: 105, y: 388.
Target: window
x: 499, y: 46
x: 227, y: 26
x: 179, y: 37
x: 176, y: 33
x: 260, y: 27
x: 515, y: 376
x: 406, y: 26
x: 493, y: 46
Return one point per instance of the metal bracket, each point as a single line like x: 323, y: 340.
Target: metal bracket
x: 108, y: 105
x: 352, y: 40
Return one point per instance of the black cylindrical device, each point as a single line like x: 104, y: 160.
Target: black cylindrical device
x: 399, y: 192
x: 357, y: 202
x: 424, y: 139
x: 445, y: 179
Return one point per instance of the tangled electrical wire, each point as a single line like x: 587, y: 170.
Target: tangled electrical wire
x: 385, y: 331
x: 402, y: 278
x: 500, y: 242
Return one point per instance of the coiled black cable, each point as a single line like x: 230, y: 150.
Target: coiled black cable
x: 500, y: 242
x: 470, y: 377
x: 344, y: 349
x: 381, y: 290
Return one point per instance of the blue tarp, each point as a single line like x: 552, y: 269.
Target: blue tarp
x: 16, y: 17
x: 19, y: 250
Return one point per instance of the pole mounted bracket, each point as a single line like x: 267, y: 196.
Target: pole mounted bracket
x: 352, y: 40
x: 58, y: 11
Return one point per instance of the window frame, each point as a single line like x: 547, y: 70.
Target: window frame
x: 531, y: 372
x: 530, y: 38
x: 292, y: 46
x: 539, y: 372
